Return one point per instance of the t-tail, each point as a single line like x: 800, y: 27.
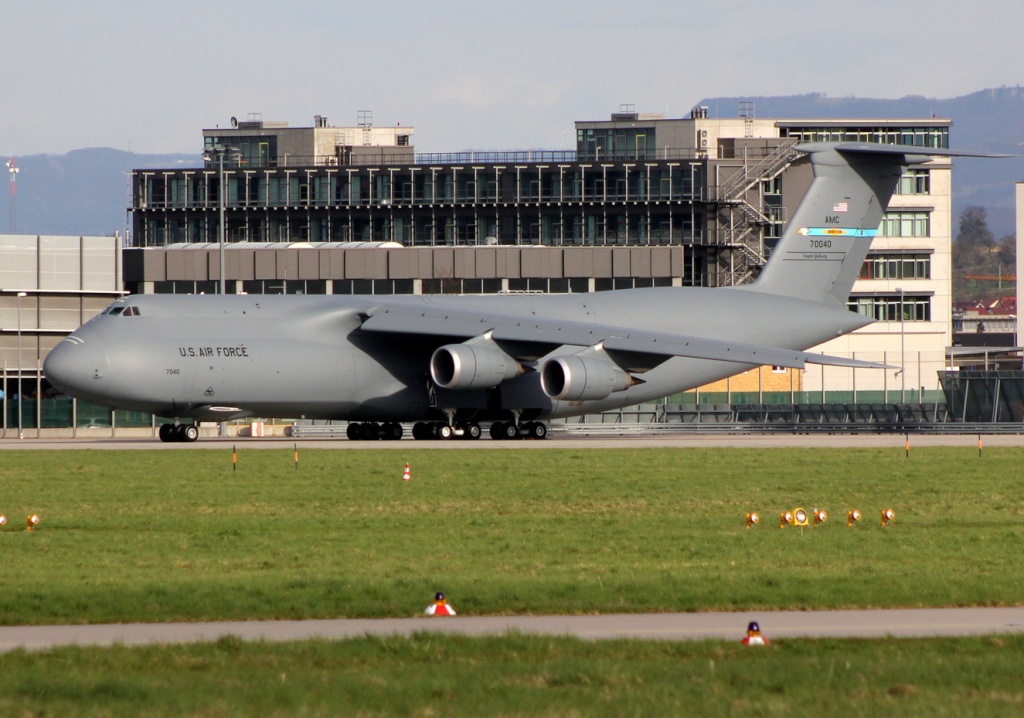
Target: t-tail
x: 825, y: 243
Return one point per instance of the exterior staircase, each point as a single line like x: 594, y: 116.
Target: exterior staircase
x: 742, y: 232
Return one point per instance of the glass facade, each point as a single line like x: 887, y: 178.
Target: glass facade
x: 936, y: 137
x: 616, y: 143
x: 241, y: 151
x: 566, y: 204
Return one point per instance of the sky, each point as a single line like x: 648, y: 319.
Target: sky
x: 149, y: 76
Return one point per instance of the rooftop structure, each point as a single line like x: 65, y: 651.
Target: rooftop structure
x: 254, y: 142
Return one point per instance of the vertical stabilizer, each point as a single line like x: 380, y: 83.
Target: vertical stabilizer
x: 825, y: 243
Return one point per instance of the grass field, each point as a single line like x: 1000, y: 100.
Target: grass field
x: 180, y: 535
x: 430, y: 675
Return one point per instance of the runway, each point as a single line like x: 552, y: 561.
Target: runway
x: 902, y: 623
x: 556, y: 440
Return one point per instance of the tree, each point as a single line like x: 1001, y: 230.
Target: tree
x: 976, y: 252
x: 974, y: 231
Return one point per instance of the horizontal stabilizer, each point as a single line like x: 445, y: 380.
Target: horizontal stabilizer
x: 868, y: 148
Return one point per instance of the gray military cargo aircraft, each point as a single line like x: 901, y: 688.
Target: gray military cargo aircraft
x: 451, y: 362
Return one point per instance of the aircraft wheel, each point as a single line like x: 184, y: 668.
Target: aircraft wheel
x: 179, y: 433
x: 495, y: 430
x: 419, y: 431
x: 446, y: 431
x: 191, y: 433
x: 472, y: 431
x: 354, y: 432
x: 393, y: 431
x: 166, y: 432
x: 538, y: 430
x: 371, y: 431
x: 509, y: 430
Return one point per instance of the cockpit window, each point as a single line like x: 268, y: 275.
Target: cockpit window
x: 123, y: 311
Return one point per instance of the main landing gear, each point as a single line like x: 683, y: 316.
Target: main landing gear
x: 434, y: 430
x: 501, y: 430
x: 371, y: 430
x: 427, y: 430
x: 178, y: 432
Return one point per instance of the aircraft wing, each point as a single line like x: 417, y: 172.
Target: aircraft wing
x: 634, y: 351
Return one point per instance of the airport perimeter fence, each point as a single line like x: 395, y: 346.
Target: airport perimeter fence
x: 50, y: 417
x: 876, y: 417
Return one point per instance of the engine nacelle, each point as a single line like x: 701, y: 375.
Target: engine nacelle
x: 472, y: 366
x: 581, y: 378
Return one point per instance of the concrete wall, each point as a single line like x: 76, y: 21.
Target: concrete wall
x: 154, y: 264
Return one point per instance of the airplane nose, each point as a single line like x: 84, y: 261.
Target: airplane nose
x: 78, y: 364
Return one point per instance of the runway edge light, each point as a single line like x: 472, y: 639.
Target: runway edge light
x: 820, y: 517
x: 31, y: 522
x: 754, y: 637
x: 799, y: 517
x: 853, y: 517
x: 786, y: 517
x: 3, y: 520
x: 888, y: 515
x: 752, y: 518
x: 440, y: 606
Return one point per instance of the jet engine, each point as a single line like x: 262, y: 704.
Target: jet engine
x: 582, y: 377
x: 472, y: 366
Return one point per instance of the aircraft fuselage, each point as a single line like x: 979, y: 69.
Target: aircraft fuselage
x: 210, y: 357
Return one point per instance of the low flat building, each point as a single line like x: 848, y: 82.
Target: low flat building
x: 49, y: 286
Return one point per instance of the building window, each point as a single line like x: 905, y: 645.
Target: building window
x: 904, y: 224
x: 914, y: 308
x: 896, y: 266
x: 914, y: 182
x: 459, y: 286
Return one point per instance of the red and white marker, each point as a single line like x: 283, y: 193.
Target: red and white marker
x: 440, y: 607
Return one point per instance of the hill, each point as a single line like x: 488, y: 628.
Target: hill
x: 85, y: 191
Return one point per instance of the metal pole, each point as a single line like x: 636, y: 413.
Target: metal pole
x: 21, y: 399
x: 903, y: 358
x: 223, y: 427
x: 220, y: 156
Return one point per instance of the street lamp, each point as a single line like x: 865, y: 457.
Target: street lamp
x: 21, y: 399
x: 219, y: 151
x: 903, y: 360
